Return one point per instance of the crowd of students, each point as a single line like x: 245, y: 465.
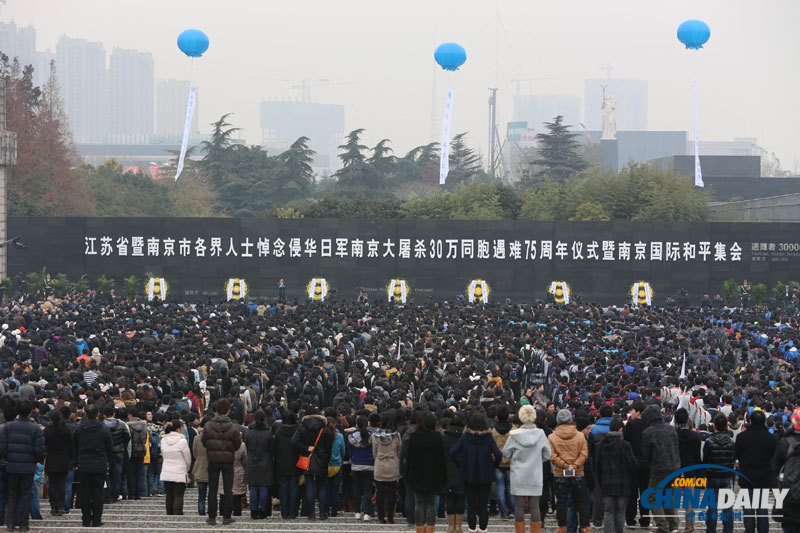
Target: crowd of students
x: 437, y: 411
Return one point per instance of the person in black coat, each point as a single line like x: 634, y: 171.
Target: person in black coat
x: 258, y: 472
x: 313, y: 439
x: 478, y: 456
x: 615, y: 465
x: 754, y: 450
x: 59, y: 462
x: 689, y: 446
x: 719, y: 449
x: 455, y: 485
x: 93, y: 452
x: 22, y: 445
x: 425, y: 469
x: 633, y: 435
x: 786, y: 446
x: 285, y: 464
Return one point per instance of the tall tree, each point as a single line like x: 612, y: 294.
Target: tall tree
x: 558, y: 151
x: 465, y: 164
x: 46, y: 179
x: 353, y: 150
x: 357, y: 176
x: 296, y: 177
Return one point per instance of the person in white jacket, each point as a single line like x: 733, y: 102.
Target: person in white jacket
x: 175, y: 467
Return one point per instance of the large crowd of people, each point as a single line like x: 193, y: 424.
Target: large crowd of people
x: 443, y: 411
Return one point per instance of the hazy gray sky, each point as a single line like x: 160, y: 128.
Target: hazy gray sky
x: 381, y: 53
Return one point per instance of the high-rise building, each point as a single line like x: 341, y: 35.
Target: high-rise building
x: 536, y: 109
x: 18, y: 42
x: 631, y: 96
x: 171, y: 98
x: 81, y: 69
x: 131, y: 92
x: 283, y: 122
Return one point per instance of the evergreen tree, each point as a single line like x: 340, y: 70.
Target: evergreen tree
x: 353, y: 150
x: 558, y: 151
x: 465, y: 164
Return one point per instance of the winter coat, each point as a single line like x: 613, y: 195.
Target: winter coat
x: 305, y: 436
x: 632, y: 432
x: 386, y: 450
x: 754, y: 449
x: 601, y: 426
x: 284, y: 451
x: 790, y: 440
x: 259, y: 470
x: 360, y: 452
x: 500, y: 433
x: 91, y: 441
x: 477, y: 455
x: 425, y: 465
x: 119, y: 434
x: 60, y: 454
x: 338, y: 450
x: 615, y: 464
x: 528, y: 448
x: 567, y: 447
x: 176, y: 457
x: 689, y: 446
x: 455, y: 485
x: 22, y: 445
x: 221, y: 438
x: 719, y: 449
x: 239, y: 462
x: 200, y: 468
x: 659, y: 444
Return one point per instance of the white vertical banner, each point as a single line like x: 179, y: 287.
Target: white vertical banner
x: 399, y: 344
x: 683, y: 367
x: 698, y: 173
x: 186, y: 127
x: 565, y: 290
x: 444, y: 166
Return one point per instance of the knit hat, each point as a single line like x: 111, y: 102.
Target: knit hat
x: 795, y: 419
x: 564, y: 417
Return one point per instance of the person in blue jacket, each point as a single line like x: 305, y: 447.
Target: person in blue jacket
x: 335, y: 471
x: 362, y: 464
x: 22, y: 445
x: 477, y: 455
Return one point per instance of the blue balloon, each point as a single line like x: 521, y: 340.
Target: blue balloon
x: 450, y: 56
x: 193, y: 42
x: 694, y: 34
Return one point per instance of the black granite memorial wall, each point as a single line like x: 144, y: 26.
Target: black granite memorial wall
x: 438, y: 258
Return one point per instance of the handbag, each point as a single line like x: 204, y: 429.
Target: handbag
x: 304, y: 461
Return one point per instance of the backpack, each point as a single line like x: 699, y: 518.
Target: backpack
x: 330, y: 378
x: 138, y: 440
x: 790, y: 473
x: 513, y: 375
x: 155, y: 444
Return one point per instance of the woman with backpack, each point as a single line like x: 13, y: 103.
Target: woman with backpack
x: 359, y: 448
x: 386, y: 450
x: 175, y: 466
x: 477, y: 456
x: 258, y: 472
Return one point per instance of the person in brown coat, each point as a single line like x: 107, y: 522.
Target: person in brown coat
x: 221, y: 438
x: 200, y: 472
x: 569, y: 452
